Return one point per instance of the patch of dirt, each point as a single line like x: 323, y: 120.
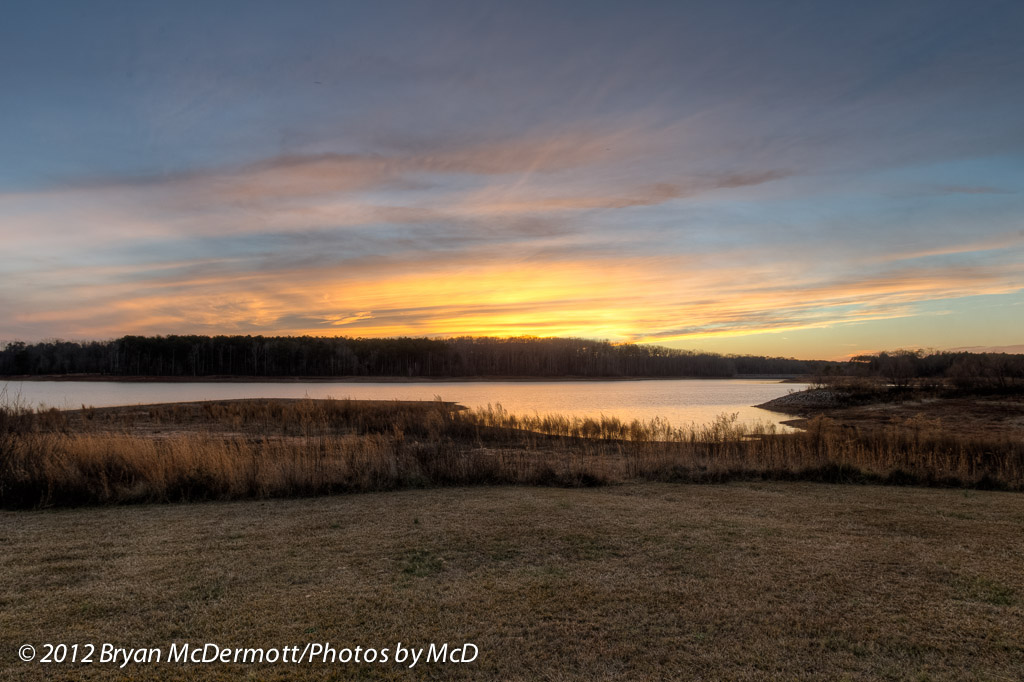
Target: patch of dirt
x: 989, y: 416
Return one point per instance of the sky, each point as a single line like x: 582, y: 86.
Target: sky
x: 812, y: 179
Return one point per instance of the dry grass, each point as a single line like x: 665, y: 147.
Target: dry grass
x: 273, y: 448
x: 974, y: 417
x: 745, y: 581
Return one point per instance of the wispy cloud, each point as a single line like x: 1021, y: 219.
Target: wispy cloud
x: 968, y: 189
x: 504, y: 201
x: 607, y: 297
x: 996, y: 242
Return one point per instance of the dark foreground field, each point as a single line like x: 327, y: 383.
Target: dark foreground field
x: 759, y: 580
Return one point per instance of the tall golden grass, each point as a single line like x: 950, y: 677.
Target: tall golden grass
x: 272, y: 448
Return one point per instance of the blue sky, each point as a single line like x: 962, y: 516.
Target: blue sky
x: 801, y: 178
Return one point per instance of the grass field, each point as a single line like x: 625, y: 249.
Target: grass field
x: 745, y: 581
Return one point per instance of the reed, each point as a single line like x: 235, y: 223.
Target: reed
x: 276, y: 448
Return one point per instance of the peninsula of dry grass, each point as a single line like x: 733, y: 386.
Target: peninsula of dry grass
x: 278, y: 448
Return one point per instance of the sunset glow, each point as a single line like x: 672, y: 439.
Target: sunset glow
x: 662, y: 174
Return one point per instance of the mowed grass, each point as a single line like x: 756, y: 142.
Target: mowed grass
x: 744, y: 581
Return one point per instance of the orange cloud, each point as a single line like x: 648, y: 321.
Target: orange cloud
x: 630, y: 298
x: 500, y: 200
x: 1000, y: 241
x: 351, y: 244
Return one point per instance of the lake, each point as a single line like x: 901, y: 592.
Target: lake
x: 680, y: 401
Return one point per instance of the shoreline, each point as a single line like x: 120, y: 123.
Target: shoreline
x: 982, y: 415
x: 244, y: 448
x: 120, y: 410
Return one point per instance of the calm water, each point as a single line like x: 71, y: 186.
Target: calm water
x: 680, y: 401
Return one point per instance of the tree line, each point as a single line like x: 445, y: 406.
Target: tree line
x: 312, y: 356
x: 309, y: 356
x: 962, y: 369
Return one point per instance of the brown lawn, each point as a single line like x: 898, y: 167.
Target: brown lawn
x: 745, y: 581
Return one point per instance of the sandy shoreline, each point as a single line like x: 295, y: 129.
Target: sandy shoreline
x: 979, y: 415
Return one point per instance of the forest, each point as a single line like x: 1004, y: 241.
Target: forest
x: 903, y: 368
x: 311, y: 356
x: 308, y: 356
